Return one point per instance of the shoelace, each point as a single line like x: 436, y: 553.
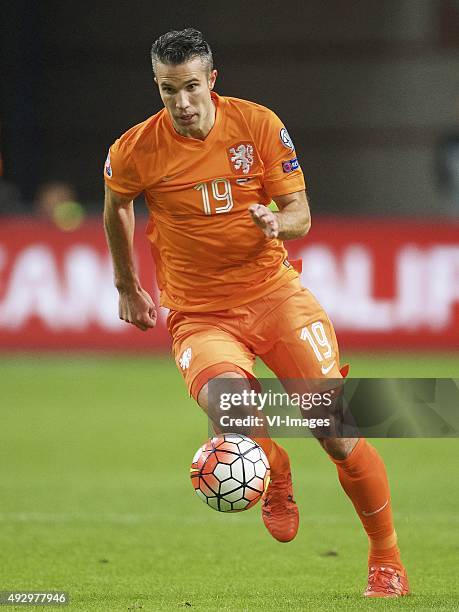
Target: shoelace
x: 275, y: 498
x: 382, y: 579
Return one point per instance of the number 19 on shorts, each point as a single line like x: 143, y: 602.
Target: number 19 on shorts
x: 317, y: 338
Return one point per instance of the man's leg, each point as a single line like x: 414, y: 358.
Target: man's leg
x: 280, y: 512
x: 204, y: 351
x: 304, y: 346
x: 362, y: 475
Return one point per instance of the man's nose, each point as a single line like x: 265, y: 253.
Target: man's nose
x: 182, y: 100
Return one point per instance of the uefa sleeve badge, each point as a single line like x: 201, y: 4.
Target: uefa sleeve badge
x: 285, y: 139
x: 108, y: 167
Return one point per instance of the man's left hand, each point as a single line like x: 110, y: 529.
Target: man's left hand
x: 265, y: 219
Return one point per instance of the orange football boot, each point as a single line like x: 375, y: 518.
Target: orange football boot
x: 280, y: 512
x: 386, y: 582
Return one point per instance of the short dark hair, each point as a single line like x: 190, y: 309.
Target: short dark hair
x: 179, y: 46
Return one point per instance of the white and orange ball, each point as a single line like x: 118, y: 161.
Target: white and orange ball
x: 230, y: 473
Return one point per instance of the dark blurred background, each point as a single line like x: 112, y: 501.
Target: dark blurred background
x: 369, y: 90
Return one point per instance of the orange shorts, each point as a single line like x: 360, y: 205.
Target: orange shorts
x: 287, y: 329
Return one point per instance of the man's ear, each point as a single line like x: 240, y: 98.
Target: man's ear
x: 155, y: 80
x: 212, y: 78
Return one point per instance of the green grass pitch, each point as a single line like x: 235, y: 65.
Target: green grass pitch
x: 95, y: 499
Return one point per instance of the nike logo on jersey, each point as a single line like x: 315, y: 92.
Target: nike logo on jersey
x: 365, y: 513
x: 326, y: 370
x: 171, y: 177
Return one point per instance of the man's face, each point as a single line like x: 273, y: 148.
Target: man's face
x: 185, y: 91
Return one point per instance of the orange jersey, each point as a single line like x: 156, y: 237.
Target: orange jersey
x: 209, y: 254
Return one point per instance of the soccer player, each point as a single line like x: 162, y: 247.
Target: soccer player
x: 208, y: 167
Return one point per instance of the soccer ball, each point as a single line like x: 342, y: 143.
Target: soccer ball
x: 230, y: 473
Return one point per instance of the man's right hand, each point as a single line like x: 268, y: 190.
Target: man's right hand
x: 137, y: 307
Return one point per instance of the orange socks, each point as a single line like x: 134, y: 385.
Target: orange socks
x: 277, y: 456
x: 363, y: 477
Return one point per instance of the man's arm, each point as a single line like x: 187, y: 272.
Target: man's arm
x: 135, y: 304
x: 292, y: 221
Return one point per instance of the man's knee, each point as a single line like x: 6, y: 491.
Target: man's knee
x: 234, y: 415
x: 338, y: 448
x: 203, y: 396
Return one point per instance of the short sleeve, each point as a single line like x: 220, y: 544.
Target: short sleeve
x: 282, y: 170
x: 120, y: 171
